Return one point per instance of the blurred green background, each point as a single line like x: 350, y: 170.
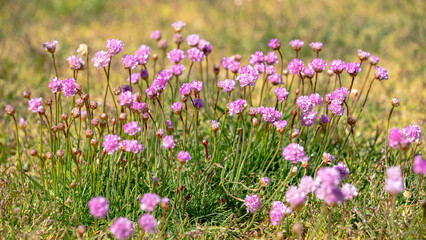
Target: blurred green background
x: 392, y: 30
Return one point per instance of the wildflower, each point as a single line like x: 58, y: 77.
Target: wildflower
x: 269, y: 114
x: 282, y: 207
x: 419, y: 166
x: 324, y: 119
x: 125, y: 98
x: 168, y: 142
x: 316, y: 46
x: 349, y: 191
x: 275, y: 79
x: 142, y: 54
x: 295, y: 197
x: 183, y: 157
x: 225, y: 62
x: 275, y: 216
x: 343, y: 170
x: 177, y: 108
x: 163, y: 44
x: 296, y: 44
x: 178, y: 26
x: 280, y: 125
x: 281, y: 94
x: 397, y: 138
x: 195, y: 55
x: 149, y: 201
x: 256, y: 58
x: 307, y: 185
x: 363, y: 56
x: 395, y: 102
x: 197, y: 86
x: 22, y: 123
x: 353, y: 68
x: 121, y: 228
x: 412, y: 132
x: 177, y: 69
x: 271, y: 58
x: 337, y: 66
x: 305, y: 103
x: 131, y: 146
x: 139, y: 107
x: 316, y: 99
x: 68, y: 87
x: 185, y: 90
x: 295, y: 66
x: 148, y: 223
x: 394, y: 184
x: 198, y: 103
x: 270, y: 69
x: 330, y: 194
x: 373, y: 60
x: 234, y: 66
x: 111, y: 143
x: 134, y: 78
x: 318, y: 65
x: 193, y: 40
x: 83, y: 49
x: 215, y: 125
x: 129, y: 62
x: 381, y: 73
x: 329, y: 176
x: 75, y: 63
x: 55, y: 85
x: 274, y: 44
x: 156, y: 35
x: 227, y: 85
x: 236, y: 107
x: 98, y: 207
x: 164, y: 203
x: 252, y: 203
x: 294, y: 153
x: 264, y: 181
x: 114, y: 46
x: 327, y: 158
x: 308, y: 72
x: 101, y: 59
x: 176, y: 56
x: 205, y: 46
x: 50, y: 46
x: 247, y: 76
x: 308, y: 118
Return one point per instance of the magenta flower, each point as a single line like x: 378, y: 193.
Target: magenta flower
x: 324, y: 119
x: 50, y: 46
x: 296, y: 44
x: 327, y: 157
x: 274, y: 44
x: 295, y: 197
x: 234, y: 66
x: 343, y: 170
x: 281, y: 94
x: 69, y: 87
x: 98, y: 207
x: 308, y: 118
x: 363, y: 56
x: 183, y: 157
x: 139, y: 107
x: 205, y: 46
x: 168, y: 142
x: 328, y: 176
x: 318, y: 65
x: 225, y: 62
x: 111, y: 143
x: 121, y: 228
x: 148, y: 223
x: 337, y: 66
x: 156, y: 35
x: 353, y: 68
x: 34, y: 104
x: 373, y: 60
x: 394, y: 184
x: 129, y: 62
x: 330, y: 194
x: 316, y: 99
x: 295, y: 66
x: 185, y: 90
x: 381, y: 73
x: 177, y: 107
x: 419, y: 166
x: 397, y: 138
x: 307, y: 185
x: 269, y: 114
x: 308, y: 72
x: 198, y: 103
x: 149, y: 201
x: 75, y: 62
x: 304, y: 103
x: 256, y: 58
x: 252, y: 203
x: 236, y: 107
x: 271, y: 58
x: 247, y: 76
x: 131, y: 146
x: 282, y: 207
x: 197, y: 86
x: 340, y: 94
x: 349, y: 191
x: 270, y: 69
x: 193, y: 40
x: 135, y: 78
x: 178, y: 26
x: 125, y: 98
x: 151, y: 92
x: 265, y: 180
x: 55, y: 85
x: 316, y: 46
x: 101, y: 59
x: 294, y: 153
x: 412, y: 132
x: 336, y: 108
x: 177, y: 69
x: 275, y: 79
x: 195, y: 55
x: 275, y: 216
x: 280, y: 125
x: 114, y: 46
x: 142, y: 54
x: 176, y: 56
x: 227, y: 85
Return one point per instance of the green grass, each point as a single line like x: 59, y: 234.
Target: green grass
x: 394, y: 31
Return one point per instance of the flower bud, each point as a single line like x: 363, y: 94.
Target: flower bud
x: 27, y: 94
x: 104, y: 116
x: 79, y: 102
x: 33, y: 152
x: 113, y: 120
x: 285, y: 72
x: 64, y: 116
x: 351, y: 120
x: 59, y: 153
x: 54, y: 129
x: 94, y: 122
x: 252, y: 112
x: 41, y: 110
x: 85, y: 96
x: 162, y: 44
x: 48, y: 101
x: 354, y: 93
x: 297, y: 229
x: 49, y: 155
x: 117, y: 91
x: 205, y: 142
x: 73, y: 185
x: 255, y: 122
x: 165, y: 203
x: 75, y: 113
x: 177, y: 38
x: 74, y: 151
x: 154, y: 56
x: 159, y: 134
x: 102, y: 124
x: 10, y: 110
x: 305, y: 164
x: 144, y: 74
x: 216, y: 69
x: 22, y: 124
x: 122, y: 117
x: 78, y: 87
x: 89, y: 133
x: 418, y: 142
x: 93, y: 105
x: 215, y: 126
x: 137, y: 96
x: 60, y: 126
x: 395, y: 102
x: 236, y: 57
x: 93, y: 142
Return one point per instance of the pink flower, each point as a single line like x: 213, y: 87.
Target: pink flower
x: 305, y: 103
x: 121, y: 228
x: 316, y: 46
x: 419, y: 166
x: 176, y: 107
x: 252, y: 203
x: 148, y: 223
x: 294, y: 153
x: 125, y: 98
x: 397, y: 139
x: 295, y: 66
x: 176, y: 56
x: 353, y: 68
x: 412, y: 132
x: 98, y: 207
x: 256, y: 58
x: 294, y: 197
x: 34, y: 104
x: 193, y: 40
x: 197, y: 86
x: 177, y: 69
x: 129, y: 62
x: 318, y: 65
x: 337, y: 66
x: 236, y: 107
x: 69, y: 87
x: 363, y: 56
x: 178, y: 26
x: 55, y: 85
x: 149, y: 201
x: 156, y: 35
x: 168, y: 142
x: 281, y: 94
x: 227, y: 85
x: 274, y: 44
x: 135, y: 78
x: 111, y: 143
x: 101, y: 59
x: 131, y: 128
x: 50, y: 46
x: 381, y: 73
x: 275, y: 79
x: 349, y: 191
x: 271, y: 58
x: 195, y: 55
x: 394, y: 184
x: 114, y: 46
x: 296, y: 44
x: 307, y: 185
x: 343, y: 170
x: 75, y: 63
x: 183, y: 157
x: 131, y: 146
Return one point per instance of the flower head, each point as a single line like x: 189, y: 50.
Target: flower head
x: 294, y: 153
x: 275, y: 79
x: 252, y: 203
x: 353, y: 68
x: 168, y: 142
x: 381, y: 73
x: 50, y: 46
x: 324, y: 119
x: 362, y: 55
x: 343, y: 170
x: 176, y: 56
x: 305, y: 103
x: 394, y: 184
x: 271, y: 58
x: 316, y: 99
x: 114, y: 46
x: 101, y: 59
x: 121, y: 228
x: 327, y: 158
x: 307, y: 184
x: 125, y: 98
x: 316, y: 46
x: 197, y: 86
x: 193, y: 40
x: 296, y: 44
x: 177, y: 69
x: 134, y: 78
x: 147, y: 222
x: 308, y: 72
x: 183, y: 157
x: 274, y: 44
x: 419, y: 166
x: 227, y: 85
x: 55, y: 85
x: 280, y: 125
x: 374, y: 60
x: 142, y: 54
x: 269, y: 114
x: 281, y: 94
x: 205, y: 46
x: 397, y: 138
x: 185, y: 90
x: 412, y: 132
x: 308, y: 118
x: 318, y: 65
x: 111, y: 143
x: 295, y: 66
x: 349, y: 191
x: 337, y: 66
x: 75, y: 62
x: 149, y: 201
x: 129, y: 62
x: 198, y: 103
x: 178, y: 26
x: 131, y: 146
x: 195, y: 55
x: 34, y: 104
x: 256, y: 58
x: 156, y: 35
x: 236, y: 107
x: 295, y: 197
x: 98, y: 207
x: 69, y: 87
x: 247, y: 76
